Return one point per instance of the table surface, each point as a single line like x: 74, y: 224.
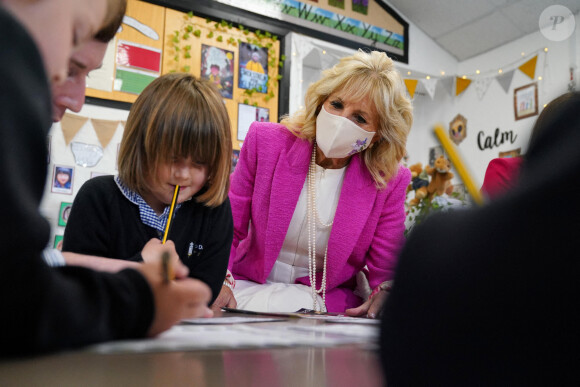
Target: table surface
x: 355, y: 364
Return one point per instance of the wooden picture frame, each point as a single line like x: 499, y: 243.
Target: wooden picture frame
x: 526, y: 101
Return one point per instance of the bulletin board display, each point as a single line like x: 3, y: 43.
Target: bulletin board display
x: 244, y: 66
x: 134, y: 58
x: 360, y: 22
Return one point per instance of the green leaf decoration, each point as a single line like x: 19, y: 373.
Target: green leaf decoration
x: 197, y: 33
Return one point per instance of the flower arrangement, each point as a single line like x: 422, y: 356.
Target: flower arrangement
x: 432, y: 191
x: 427, y: 206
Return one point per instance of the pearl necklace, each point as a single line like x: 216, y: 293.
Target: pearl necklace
x: 313, y: 218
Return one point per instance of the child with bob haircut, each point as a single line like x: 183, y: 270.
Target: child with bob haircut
x: 177, y: 133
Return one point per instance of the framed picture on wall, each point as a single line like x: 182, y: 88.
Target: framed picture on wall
x: 64, y: 213
x: 235, y: 159
x: 217, y: 66
x: 434, y: 153
x: 526, y: 101
x: 62, y: 179
x: 58, y: 242
x: 511, y: 153
x: 248, y: 114
x: 253, y: 68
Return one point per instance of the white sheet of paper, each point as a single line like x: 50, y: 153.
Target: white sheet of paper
x: 189, y: 337
x: 229, y: 320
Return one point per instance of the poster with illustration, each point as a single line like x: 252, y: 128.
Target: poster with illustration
x: 253, y: 68
x: 248, y: 114
x: 217, y: 66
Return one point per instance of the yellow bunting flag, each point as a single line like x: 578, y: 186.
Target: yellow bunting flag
x: 105, y: 130
x: 71, y: 124
x: 529, y: 68
x: 461, y: 84
x: 411, y: 86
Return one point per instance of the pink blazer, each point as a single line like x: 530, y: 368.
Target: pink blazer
x: 265, y: 186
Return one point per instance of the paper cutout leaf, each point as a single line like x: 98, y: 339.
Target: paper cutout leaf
x: 71, y: 124
x: 411, y: 86
x: 461, y: 84
x: 86, y: 155
x: 105, y: 130
x: 529, y: 68
x: 505, y: 80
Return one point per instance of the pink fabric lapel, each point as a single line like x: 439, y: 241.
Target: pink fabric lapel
x: 356, y: 201
x: 287, y: 182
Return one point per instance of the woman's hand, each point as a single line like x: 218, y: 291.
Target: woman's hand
x: 371, y: 308
x: 225, y: 298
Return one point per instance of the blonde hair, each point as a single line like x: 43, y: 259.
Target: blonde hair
x: 364, y: 74
x: 178, y: 115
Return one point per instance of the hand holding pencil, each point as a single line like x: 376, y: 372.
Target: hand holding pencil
x: 174, y: 300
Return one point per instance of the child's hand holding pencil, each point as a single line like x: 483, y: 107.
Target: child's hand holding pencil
x: 165, y: 256
x: 174, y: 300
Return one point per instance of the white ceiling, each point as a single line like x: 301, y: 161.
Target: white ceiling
x: 466, y: 28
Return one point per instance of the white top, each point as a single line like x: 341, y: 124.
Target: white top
x: 292, y: 261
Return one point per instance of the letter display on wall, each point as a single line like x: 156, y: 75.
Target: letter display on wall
x: 362, y: 22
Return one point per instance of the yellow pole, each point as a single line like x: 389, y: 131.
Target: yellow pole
x: 458, y: 164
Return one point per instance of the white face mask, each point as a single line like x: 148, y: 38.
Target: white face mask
x: 339, y: 137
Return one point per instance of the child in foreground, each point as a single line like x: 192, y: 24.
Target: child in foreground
x: 177, y: 133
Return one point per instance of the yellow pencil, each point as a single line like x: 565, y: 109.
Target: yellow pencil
x: 458, y: 164
x: 171, y: 213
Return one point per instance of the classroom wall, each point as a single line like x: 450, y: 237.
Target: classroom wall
x: 308, y: 56
x: 485, y: 113
x: 495, y: 108
x: 61, y: 154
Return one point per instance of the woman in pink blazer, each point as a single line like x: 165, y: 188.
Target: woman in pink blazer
x: 320, y: 197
